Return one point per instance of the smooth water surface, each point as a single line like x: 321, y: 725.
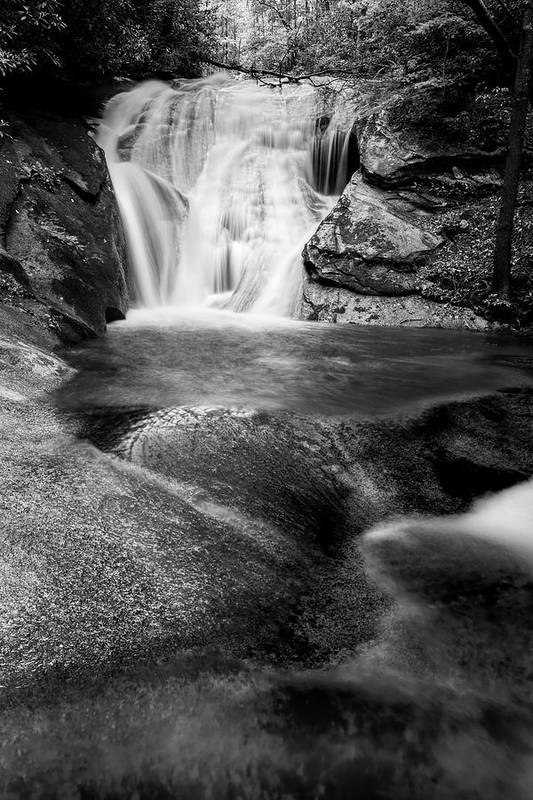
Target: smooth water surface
x: 165, y: 358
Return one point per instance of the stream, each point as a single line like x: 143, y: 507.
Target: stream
x: 255, y: 450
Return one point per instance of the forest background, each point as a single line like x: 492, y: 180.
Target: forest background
x: 84, y: 41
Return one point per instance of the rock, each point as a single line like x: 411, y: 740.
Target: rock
x: 63, y: 241
x: 331, y: 304
x: 399, y: 140
x: 364, y: 246
x: 392, y: 156
x: 470, y: 576
x: 451, y: 230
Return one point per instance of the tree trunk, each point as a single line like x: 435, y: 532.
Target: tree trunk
x: 491, y: 27
x: 504, y: 228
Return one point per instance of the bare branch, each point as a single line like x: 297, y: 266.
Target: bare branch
x: 286, y: 77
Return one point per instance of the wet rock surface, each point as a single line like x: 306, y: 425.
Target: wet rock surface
x: 190, y: 608
x: 330, y: 304
x: 364, y: 246
x: 62, y: 257
x: 164, y: 612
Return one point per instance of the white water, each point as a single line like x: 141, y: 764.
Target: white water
x: 220, y: 184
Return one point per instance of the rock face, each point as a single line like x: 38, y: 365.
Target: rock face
x: 417, y: 219
x: 392, y: 154
x: 163, y: 603
x: 364, y: 246
x: 331, y: 304
x: 62, y: 256
x: 427, y: 128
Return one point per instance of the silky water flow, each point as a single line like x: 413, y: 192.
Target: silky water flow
x: 220, y: 183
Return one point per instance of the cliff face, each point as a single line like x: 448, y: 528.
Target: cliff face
x: 62, y: 256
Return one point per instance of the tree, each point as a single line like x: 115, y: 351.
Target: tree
x: 491, y: 26
x: 28, y: 34
x: 504, y: 228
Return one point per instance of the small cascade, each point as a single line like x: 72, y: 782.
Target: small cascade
x: 220, y: 183
x: 335, y: 154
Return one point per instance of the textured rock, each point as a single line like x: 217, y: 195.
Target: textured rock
x: 157, y: 608
x: 62, y: 258
x: 470, y: 577
x: 392, y: 155
x: 330, y: 304
x: 401, y: 139
x: 365, y: 246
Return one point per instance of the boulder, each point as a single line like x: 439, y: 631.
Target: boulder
x: 363, y: 245
x: 63, y: 255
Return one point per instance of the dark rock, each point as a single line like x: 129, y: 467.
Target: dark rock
x: 451, y: 230
x: 59, y: 225
x: 470, y: 577
x: 392, y: 156
x: 419, y: 186
x: 401, y: 140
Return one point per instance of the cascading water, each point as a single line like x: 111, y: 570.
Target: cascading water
x: 220, y: 183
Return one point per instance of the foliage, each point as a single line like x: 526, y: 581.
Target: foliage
x: 417, y: 39
x: 29, y: 34
x: 131, y: 38
x: 84, y: 40
x: 461, y: 273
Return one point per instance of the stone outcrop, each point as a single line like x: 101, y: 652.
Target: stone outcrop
x: 392, y: 154
x: 332, y: 304
x: 62, y: 256
x: 416, y: 220
x: 365, y: 246
x: 429, y: 127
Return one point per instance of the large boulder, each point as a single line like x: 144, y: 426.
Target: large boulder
x: 63, y: 257
x: 430, y: 174
x: 363, y: 245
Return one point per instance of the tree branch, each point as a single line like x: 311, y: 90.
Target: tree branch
x: 491, y: 27
x: 286, y: 77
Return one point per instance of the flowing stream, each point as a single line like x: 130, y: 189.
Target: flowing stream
x: 247, y: 463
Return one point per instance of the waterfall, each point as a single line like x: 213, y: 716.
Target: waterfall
x: 220, y: 183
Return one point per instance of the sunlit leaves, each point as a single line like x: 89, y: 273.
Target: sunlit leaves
x: 28, y: 34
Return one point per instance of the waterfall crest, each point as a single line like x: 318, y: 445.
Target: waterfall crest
x: 220, y: 183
